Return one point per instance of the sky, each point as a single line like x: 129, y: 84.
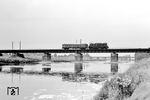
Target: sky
x: 45, y: 24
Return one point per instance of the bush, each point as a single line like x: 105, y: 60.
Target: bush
x: 122, y: 86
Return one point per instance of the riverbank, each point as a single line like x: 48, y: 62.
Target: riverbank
x: 134, y: 84
x: 11, y: 60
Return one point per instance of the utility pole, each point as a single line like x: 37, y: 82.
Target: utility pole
x: 12, y: 45
x: 80, y: 41
x: 20, y: 45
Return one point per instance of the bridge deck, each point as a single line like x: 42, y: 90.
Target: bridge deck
x: 129, y: 50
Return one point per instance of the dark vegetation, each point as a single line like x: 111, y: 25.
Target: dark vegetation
x: 125, y: 86
x: 17, y: 61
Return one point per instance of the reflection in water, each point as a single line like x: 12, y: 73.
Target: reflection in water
x: 78, y: 67
x: 77, y: 76
x: 83, y: 78
x: 74, y: 78
x: 65, y: 81
x: 0, y: 68
x: 46, y: 64
x: 12, y: 77
x: 16, y: 69
x: 114, y: 67
x: 79, y: 73
x: 46, y: 69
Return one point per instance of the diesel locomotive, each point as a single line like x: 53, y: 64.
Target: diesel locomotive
x: 92, y: 46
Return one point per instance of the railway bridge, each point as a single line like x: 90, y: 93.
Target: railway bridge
x: 79, y: 57
x: 111, y: 50
x: 47, y: 52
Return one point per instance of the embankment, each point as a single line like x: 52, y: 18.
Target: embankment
x: 17, y: 60
x: 134, y: 84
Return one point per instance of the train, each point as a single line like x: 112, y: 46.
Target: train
x: 84, y: 46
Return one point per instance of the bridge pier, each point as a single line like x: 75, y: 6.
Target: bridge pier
x: 46, y: 70
x: 47, y: 57
x: 78, y: 67
x: 114, y: 63
x: 16, y: 69
x: 0, y: 68
x: 79, y: 57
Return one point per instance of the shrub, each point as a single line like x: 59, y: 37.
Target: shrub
x: 122, y: 86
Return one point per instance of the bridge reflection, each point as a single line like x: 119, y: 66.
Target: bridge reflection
x: 77, y: 76
x: 78, y: 67
x: 0, y: 68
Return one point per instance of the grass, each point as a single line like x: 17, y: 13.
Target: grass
x: 124, y: 86
x: 17, y: 60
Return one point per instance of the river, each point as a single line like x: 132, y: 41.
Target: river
x: 53, y: 87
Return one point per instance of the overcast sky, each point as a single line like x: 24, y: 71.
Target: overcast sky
x: 49, y: 23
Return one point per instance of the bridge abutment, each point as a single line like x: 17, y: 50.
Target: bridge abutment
x: 78, y: 57
x: 114, y: 62
x: 47, y: 57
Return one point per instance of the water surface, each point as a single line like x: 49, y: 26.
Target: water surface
x: 46, y: 87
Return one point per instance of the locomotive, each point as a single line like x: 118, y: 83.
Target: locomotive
x: 92, y: 46
x: 98, y: 46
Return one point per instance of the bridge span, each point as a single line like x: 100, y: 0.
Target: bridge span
x: 120, y: 50
x: 79, y: 55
